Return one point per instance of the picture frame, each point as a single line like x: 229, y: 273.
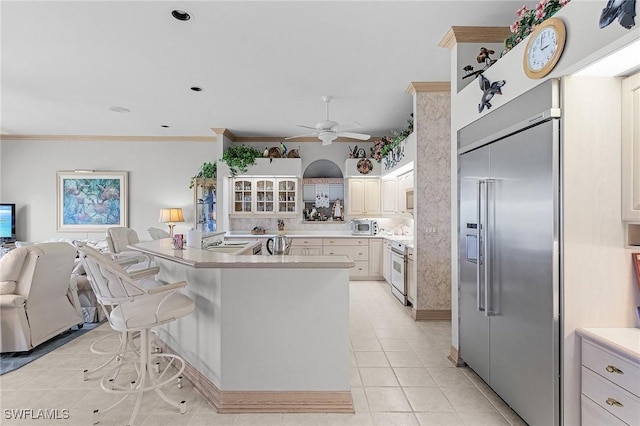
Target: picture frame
x: 636, y: 266
x: 91, y: 201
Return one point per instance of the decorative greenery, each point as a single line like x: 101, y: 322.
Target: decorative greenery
x: 239, y: 158
x: 528, y: 20
x: 387, y: 143
x: 206, y: 171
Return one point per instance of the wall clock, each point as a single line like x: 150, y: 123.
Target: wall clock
x: 544, y: 48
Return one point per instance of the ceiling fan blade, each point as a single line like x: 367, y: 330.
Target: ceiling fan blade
x: 306, y: 127
x: 301, y: 136
x: 347, y: 126
x: 359, y: 136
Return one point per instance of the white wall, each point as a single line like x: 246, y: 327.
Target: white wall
x: 159, y: 175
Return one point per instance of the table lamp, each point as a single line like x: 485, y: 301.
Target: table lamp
x: 170, y: 216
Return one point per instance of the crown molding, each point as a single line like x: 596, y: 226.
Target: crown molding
x: 474, y: 35
x: 224, y: 132
x: 428, y: 86
x: 218, y: 131
x: 56, y: 138
x: 278, y: 139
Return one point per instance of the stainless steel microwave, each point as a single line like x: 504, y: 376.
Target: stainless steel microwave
x: 364, y: 227
x: 409, y: 199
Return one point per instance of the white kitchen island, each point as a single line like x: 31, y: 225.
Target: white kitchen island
x: 269, y: 333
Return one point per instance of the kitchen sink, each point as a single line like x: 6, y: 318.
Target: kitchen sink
x: 225, y: 249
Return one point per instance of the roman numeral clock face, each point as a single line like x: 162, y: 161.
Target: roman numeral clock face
x: 544, y: 48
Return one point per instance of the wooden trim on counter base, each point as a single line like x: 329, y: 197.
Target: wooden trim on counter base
x: 286, y: 402
x: 431, y: 314
x: 265, y: 401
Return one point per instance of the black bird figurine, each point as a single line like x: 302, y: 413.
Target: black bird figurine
x: 623, y: 10
x: 489, y: 89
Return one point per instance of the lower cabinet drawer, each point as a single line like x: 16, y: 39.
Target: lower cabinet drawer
x: 594, y: 415
x: 355, y: 253
x: 611, y: 397
x: 360, y: 270
x: 611, y: 366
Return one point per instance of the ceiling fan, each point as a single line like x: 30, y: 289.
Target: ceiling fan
x: 329, y: 130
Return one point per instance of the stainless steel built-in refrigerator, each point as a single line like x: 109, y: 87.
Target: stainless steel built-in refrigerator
x: 509, y: 221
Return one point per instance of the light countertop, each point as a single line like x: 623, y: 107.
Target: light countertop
x: 623, y: 341
x: 200, y: 258
x: 407, y: 239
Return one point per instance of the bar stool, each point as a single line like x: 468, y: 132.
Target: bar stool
x: 133, y: 308
x: 144, y: 278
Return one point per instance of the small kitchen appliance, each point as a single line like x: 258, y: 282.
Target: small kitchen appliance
x: 364, y: 227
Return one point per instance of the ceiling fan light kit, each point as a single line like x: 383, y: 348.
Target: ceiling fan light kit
x: 328, y: 131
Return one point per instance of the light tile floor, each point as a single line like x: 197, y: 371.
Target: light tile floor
x: 400, y: 375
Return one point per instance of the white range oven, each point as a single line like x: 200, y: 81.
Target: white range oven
x: 399, y: 271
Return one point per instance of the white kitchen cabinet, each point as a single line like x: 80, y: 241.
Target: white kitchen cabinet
x: 375, y: 257
x: 243, y: 196
x: 412, y: 288
x: 610, y: 380
x: 405, y: 182
x: 386, y: 260
x: 265, y: 195
x: 631, y: 148
x: 357, y: 249
x: 306, y: 246
x: 364, y: 196
x: 390, y: 196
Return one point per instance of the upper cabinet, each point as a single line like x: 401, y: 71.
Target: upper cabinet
x: 631, y: 148
x: 364, y: 197
x: 264, y: 195
x: 390, y: 196
x: 394, y: 200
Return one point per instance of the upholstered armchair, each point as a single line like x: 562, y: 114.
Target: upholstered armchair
x: 38, y: 301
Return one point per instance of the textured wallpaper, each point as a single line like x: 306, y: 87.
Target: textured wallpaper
x: 433, y: 186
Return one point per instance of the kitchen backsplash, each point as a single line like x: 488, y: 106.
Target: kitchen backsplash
x: 394, y: 225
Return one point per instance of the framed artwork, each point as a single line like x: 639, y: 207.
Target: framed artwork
x: 91, y: 201
x: 636, y: 264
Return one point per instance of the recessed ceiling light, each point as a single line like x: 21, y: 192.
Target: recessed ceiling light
x: 181, y: 15
x: 196, y: 89
x: 119, y: 109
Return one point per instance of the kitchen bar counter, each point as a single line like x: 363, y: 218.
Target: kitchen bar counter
x: 198, y: 258
x: 269, y: 333
x: 407, y: 239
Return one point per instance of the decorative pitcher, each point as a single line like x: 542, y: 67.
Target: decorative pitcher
x: 278, y: 245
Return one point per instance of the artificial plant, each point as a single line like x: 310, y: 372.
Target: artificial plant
x: 239, y: 158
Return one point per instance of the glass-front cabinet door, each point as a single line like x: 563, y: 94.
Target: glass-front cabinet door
x: 265, y: 195
x: 242, y: 196
x: 205, y: 204
x: 287, y: 195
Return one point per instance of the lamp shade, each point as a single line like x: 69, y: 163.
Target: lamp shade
x: 171, y: 215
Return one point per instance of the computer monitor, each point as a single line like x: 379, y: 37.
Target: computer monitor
x: 7, y: 222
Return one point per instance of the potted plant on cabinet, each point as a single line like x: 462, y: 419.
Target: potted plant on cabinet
x: 239, y: 158
x: 206, y: 171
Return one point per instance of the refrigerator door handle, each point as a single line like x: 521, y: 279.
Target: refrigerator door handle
x: 488, y: 300
x: 479, y: 252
